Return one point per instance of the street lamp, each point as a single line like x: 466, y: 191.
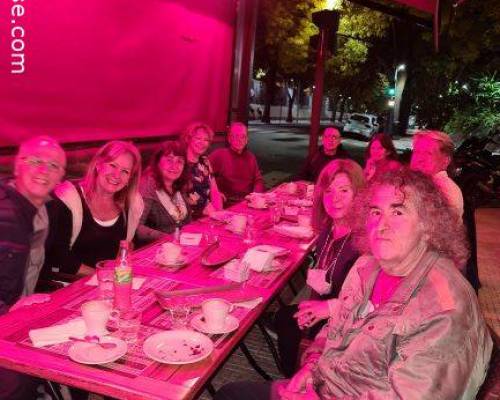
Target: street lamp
x: 397, y: 98
x: 328, y: 22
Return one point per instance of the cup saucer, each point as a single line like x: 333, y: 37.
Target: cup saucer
x: 198, y: 323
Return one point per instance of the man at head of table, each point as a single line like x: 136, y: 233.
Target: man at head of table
x: 235, y: 167
x: 38, y: 167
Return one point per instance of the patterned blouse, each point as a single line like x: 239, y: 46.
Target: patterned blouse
x: 199, y: 193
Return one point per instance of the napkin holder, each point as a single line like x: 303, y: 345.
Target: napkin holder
x: 259, y: 260
x: 236, y: 271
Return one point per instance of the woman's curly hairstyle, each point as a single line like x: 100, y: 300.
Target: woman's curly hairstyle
x: 443, y: 227
x: 188, y: 133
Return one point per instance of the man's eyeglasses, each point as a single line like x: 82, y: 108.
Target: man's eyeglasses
x: 37, y: 162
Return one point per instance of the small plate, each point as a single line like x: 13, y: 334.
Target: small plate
x: 177, y: 265
x: 198, y: 323
x: 256, y: 207
x: 216, y: 255
x: 178, y: 347
x: 93, y: 354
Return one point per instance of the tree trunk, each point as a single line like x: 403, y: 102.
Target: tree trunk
x: 291, y: 100
x: 269, y: 97
x: 342, y: 109
x: 333, y: 107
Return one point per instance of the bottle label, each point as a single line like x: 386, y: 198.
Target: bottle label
x: 123, y: 275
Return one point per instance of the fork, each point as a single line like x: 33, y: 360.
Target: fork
x: 94, y: 340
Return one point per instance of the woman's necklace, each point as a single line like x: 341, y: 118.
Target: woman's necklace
x: 337, y: 256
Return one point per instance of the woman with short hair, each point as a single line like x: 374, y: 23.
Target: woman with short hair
x: 88, y: 219
x: 203, y: 196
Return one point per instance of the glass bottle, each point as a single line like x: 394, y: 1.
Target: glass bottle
x: 123, y: 278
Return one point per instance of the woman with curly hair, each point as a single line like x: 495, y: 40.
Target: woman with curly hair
x: 406, y: 325
x: 203, y: 197
x: 380, y: 155
x: 163, y: 188
x: 88, y: 219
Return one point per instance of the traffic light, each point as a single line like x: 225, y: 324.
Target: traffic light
x: 390, y: 91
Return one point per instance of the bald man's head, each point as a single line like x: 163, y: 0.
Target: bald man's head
x: 39, y: 166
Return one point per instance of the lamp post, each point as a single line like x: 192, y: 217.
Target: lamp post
x: 328, y: 22
x: 399, y: 85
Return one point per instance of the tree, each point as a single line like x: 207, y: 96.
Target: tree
x: 282, y: 41
x: 469, y: 54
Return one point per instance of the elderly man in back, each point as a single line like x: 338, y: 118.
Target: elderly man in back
x: 432, y: 154
x: 331, y: 149
x: 39, y: 166
x: 235, y: 168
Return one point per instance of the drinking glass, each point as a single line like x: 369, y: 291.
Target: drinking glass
x: 250, y: 230
x: 129, y: 324
x: 105, y: 277
x: 179, y: 311
x: 275, y: 214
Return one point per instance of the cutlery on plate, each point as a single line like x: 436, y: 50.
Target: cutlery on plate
x: 94, y: 340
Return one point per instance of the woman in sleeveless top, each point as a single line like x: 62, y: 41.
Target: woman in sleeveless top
x: 88, y: 219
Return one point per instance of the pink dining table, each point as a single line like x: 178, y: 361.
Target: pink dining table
x: 135, y: 376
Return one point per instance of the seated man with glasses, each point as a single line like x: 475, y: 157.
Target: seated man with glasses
x: 331, y: 149
x: 38, y: 167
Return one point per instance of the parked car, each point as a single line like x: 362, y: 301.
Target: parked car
x: 362, y: 124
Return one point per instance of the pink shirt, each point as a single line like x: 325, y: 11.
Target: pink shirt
x: 384, y: 287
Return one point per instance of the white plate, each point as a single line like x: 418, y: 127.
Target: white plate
x: 276, y: 251
x: 198, y: 323
x: 178, y: 264
x: 178, y: 347
x: 257, y: 207
x: 92, y: 353
x: 222, y: 216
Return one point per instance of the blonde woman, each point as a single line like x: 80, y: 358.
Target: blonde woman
x: 204, y: 196
x: 88, y: 219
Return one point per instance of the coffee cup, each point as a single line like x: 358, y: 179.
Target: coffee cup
x: 96, y: 314
x: 258, y: 202
x: 169, y: 253
x: 215, y: 312
x: 239, y: 223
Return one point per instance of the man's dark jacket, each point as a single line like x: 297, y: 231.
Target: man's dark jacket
x: 16, y: 230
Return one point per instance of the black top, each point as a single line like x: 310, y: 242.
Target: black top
x: 337, y: 257
x: 199, y: 195
x: 315, y: 164
x: 16, y: 232
x: 93, y: 244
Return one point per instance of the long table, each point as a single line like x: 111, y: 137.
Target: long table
x: 135, y: 376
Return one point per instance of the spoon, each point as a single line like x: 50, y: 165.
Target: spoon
x: 94, y: 340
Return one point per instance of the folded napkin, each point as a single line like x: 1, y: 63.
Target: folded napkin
x: 258, y: 260
x: 190, y: 239
x: 277, y: 251
x: 58, y: 333
x: 295, y: 231
x: 136, y: 282
x: 249, y: 304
